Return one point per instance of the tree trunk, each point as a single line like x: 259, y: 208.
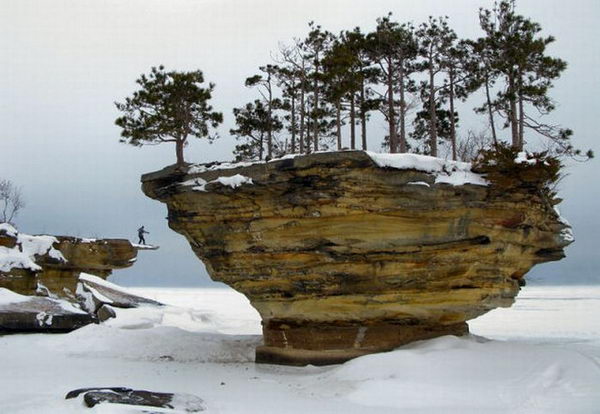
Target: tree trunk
x: 352, y: 123
x: 338, y: 124
x: 179, y: 144
x: 452, y: 122
x: 490, y: 111
x: 432, y: 113
x: 316, y: 108
x: 391, y: 120
x: 302, y: 114
x: 513, y: 112
x: 270, y: 123
x: 363, y: 116
x: 293, y: 123
x: 521, y: 114
x: 403, y: 146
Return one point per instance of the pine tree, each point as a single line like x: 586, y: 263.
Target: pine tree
x: 445, y: 124
x: 520, y: 58
x: 459, y: 82
x: 435, y: 38
x: 266, y: 86
x: 294, y: 70
x: 342, y: 81
x: 364, y: 75
x: 254, y: 125
x: 169, y: 107
x: 393, y: 48
x: 289, y: 80
x: 484, y: 74
x: 315, y: 47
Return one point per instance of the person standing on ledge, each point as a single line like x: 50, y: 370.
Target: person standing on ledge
x: 141, y: 233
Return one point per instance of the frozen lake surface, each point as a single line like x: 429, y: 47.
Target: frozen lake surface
x: 540, y: 356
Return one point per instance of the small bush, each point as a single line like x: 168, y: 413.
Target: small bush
x: 508, y: 168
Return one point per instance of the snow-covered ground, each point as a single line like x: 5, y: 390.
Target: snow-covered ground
x: 540, y: 356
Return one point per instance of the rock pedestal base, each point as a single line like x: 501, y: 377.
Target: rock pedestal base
x: 325, y: 345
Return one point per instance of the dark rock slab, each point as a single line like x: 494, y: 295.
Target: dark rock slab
x: 118, y: 298
x: 120, y: 395
x: 40, y: 314
x: 106, y: 312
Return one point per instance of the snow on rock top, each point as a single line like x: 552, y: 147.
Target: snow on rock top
x: 198, y: 168
x: 8, y: 229
x: 446, y: 172
x: 522, y: 159
x: 234, y: 181
x: 22, y: 255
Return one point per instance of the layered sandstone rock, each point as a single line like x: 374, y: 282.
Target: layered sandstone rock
x: 349, y: 253
x: 51, y: 265
x: 43, y: 273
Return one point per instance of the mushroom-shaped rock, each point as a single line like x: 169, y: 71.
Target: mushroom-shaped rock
x: 350, y: 253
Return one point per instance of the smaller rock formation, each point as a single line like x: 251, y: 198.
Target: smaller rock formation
x: 119, y: 395
x: 43, y: 275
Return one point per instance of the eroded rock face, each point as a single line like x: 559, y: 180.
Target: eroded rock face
x: 343, y: 256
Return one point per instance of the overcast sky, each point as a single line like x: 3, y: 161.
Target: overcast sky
x: 64, y: 63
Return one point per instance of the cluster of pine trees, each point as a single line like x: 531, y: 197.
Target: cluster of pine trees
x: 321, y: 91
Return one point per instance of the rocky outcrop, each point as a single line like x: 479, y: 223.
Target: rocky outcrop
x: 51, y: 265
x: 43, y: 273
x: 350, y: 253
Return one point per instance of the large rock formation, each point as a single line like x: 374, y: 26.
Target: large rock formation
x: 350, y: 253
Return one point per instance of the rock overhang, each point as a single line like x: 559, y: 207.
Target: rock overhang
x: 354, y: 245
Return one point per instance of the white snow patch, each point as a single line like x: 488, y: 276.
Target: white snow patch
x: 446, y: 172
x: 522, y: 159
x: 8, y: 297
x: 68, y: 306
x: 543, y: 357
x: 470, y: 374
x: 197, y: 169
x: 99, y: 295
x: 566, y: 234
x: 44, y: 318
x: 423, y: 183
x: 234, y: 181
x: 86, y: 277
x: 197, y: 184
x: 561, y: 218
x: 22, y: 256
x: 8, y: 229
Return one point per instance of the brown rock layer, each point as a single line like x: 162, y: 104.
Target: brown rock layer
x: 57, y: 277
x: 342, y: 258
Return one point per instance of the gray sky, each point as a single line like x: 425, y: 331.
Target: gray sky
x: 64, y: 63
